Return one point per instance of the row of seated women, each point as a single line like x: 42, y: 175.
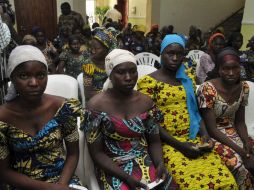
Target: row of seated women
x: 134, y: 137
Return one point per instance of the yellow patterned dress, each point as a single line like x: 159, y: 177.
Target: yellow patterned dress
x: 41, y: 157
x: 205, y: 172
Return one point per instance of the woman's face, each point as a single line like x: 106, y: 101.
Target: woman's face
x: 172, y: 57
x: 218, y: 44
x: 30, y: 80
x: 75, y: 46
x: 124, y: 76
x: 40, y: 37
x: 229, y: 71
x: 98, y: 50
x: 237, y: 42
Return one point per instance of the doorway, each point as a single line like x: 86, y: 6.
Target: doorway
x: 124, y: 9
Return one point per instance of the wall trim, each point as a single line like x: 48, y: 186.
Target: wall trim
x: 143, y: 17
x: 247, y: 22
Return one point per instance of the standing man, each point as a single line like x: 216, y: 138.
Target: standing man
x: 114, y: 14
x: 69, y: 18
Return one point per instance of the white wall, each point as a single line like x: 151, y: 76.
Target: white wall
x: 248, y: 16
x: 201, y: 13
x: 140, y: 7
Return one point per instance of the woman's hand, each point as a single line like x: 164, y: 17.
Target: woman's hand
x: 206, y: 145
x: 161, y: 172
x: 134, y: 184
x: 190, y: 150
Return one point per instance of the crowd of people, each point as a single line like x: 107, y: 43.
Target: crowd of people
x: 167, y: 130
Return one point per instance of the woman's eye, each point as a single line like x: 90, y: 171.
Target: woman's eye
x: 41, y: 75
x: 23, y: 76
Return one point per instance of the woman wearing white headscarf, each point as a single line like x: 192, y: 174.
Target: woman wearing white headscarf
x: 122, y: 131
x: 33, y: 126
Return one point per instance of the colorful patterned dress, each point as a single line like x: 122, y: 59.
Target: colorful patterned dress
x: 125, y: 143
x: 73, y: 64
x: 205, y: 172
x: 93, y: 76
x: 41, y: 157
x: 208, y: 97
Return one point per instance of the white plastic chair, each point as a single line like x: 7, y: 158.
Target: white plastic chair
x: 62, y: 85
x: 146, y: 58
x: 249, y: 110
x: 195, y: 56
x: 81, y: 89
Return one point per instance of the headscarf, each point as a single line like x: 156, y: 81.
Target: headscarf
x: 226, y: 52
x: 29, y: 37
x: 106, y: 37
x: 139, y: 28
x: 212, y: 37
x: 187, y: 84
x: 18, y: 56
x: 114, y: 58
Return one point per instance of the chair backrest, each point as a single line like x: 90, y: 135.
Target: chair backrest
x: 249, y: 110
x: 81, y: 88
x: 146, y: 58
x: 62, y: 85
x: 195, y: 55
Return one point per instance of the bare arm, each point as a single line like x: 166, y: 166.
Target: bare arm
x: 70, y: 163
x: 210, y: 121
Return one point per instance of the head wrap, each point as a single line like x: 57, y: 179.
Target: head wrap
x: 29, y: 37
x: 139, y: 28
x: 106, y: 37
x: 114, y: 58
x: 187, y: 84
x: 228, y: 52
x: 18, y: 56
x: 212, y: 37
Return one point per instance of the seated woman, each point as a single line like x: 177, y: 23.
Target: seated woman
x: 186, y: 144
x: 33, y: 126
x: 222, y: 102
x: 71, y: 60
x: 122, y: 131
x: 94, y: 73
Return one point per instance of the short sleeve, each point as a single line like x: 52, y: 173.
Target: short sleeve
x: 147, y: 85
x: 155, y: 116
x: 92, y: 126
x: 4, y: 151
x: 206, y: 95
x: 71, y: 116
x: 88, y: 71
x: 245, y: 94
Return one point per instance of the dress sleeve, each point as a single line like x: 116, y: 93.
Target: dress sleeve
x: 147, y: 85
x: 4, y: 151
x: 72, y: 114
x: 88, y: 71
x: 92, y: 126
x: 206, y: 95
x: 155, y: 116
x: 246, y: 91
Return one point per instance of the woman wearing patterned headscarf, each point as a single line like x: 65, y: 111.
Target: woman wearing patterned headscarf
x: 207, y: 60
x: 94, y: 73
x: 187, y: 148
x: 222, y: 102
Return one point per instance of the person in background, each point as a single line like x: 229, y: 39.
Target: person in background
x: 208, y: 60
x: 71, y: 61
x: 70, y: 18
x: 47, y: 48
x: 113, y: 14
x: 122, y: 130
x: 138, y: 39
x: 29, y: 40
x: 187, y: 147
x: 222, y: 102
x: 32, y: 153
x: 94, y: 73
x: 250, y: 57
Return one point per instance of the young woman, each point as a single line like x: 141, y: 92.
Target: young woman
x: 94, y: 68
x: 207, y: 68
x: 71, y: 60
x: 34, y: 127
x: 222, y: 102
x: 122, y: 131
x: 186, y: 144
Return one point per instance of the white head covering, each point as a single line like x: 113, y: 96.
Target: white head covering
x: 20, y: 55
x: 114, y: 58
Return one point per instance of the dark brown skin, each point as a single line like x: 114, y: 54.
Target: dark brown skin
x: 172, y: 58
x: 230, y: 91
x: 123, y: 102
x: 32, y: 110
